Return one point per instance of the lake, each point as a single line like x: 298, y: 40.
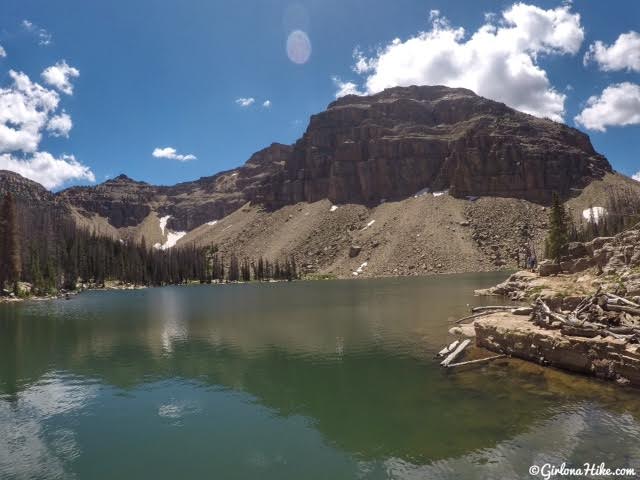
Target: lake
x: 303, y: 380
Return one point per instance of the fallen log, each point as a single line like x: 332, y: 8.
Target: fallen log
x: 452, y: 356
x: 522, y: 311
x: 579, y: 332
x: 628, y: 303
x: 448, y: 349
x: 492, y: 307
x: 623, y: 308
x: 480, y: 360
x: 476, y: 315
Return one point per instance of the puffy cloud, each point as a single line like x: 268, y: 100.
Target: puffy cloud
x: 47, y: 170
x: 60, y: 75
x: 345, y: 88
x: 172, y: 154
x: 266, y: 104
x: 28, y: 109
x: 44, y: 37
x: 498, y: 61
x: 25, y: 108
x: 60, y: 125
x: 624, y: 54
x: 245, y: 102
x: 617, y: 105
x: 3, y: 52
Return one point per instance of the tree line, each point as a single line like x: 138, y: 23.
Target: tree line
x: 44, y: 248
x: 621, y: 212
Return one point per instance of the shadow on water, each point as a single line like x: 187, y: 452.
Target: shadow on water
x: 350, y: 360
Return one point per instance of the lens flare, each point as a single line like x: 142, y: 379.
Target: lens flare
x: 298, y: 47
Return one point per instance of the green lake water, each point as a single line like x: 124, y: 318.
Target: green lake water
x: 304, y: 380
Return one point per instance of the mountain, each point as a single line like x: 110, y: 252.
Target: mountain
x: 395, y: 143
x: 389, y: 180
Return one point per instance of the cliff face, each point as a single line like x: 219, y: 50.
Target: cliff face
x: 400, y: 141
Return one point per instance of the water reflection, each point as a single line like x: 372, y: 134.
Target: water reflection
x: 342, y: 371
x: 31, y: 444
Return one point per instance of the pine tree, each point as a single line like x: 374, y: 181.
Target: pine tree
x: 10, y: 259
x: 234, y: 269
x: 558, y: 237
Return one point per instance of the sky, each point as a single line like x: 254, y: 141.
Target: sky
x: 172, y: 90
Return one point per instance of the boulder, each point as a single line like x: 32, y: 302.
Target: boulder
x: 577, y: 265
x: 602, y: 255
x: 577, y: 250
x: 615, y: 264
x: 354, y: 250
x: 547, y: 267
x: 597, y: 243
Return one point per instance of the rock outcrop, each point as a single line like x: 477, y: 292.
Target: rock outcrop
x: 604, y: 357
x: 405, y: 139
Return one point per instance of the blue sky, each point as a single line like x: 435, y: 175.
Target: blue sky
x: 156, y: 74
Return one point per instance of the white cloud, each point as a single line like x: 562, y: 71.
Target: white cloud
x: 44, y: 37
x: 345, y: 88
x: 624, y: 54
x: 498, y: 61
x: 25, y: 108
x: 60, y: 75
x: 47, y: 170
x: 266, y: 104
x: 636, y: 177
x: 60, y: 125
x: 172, y: 154
x: 28, y: 109
x: 245, y: 102
x: 617, y: 105
x: 3, y: 52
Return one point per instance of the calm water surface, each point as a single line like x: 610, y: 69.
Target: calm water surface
x: 308, y: 380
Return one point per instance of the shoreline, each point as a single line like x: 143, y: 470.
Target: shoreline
x: 63, y: 295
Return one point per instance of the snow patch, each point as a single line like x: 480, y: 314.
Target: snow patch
x: 212, y: 222
x: 421, y: 193
x: 333, y: 208
x: 597, y: 213
x: 369, y: 224
x: 172, y: 237
x: 163, y: 223
x: 438, y: 194
x: 360, y: 269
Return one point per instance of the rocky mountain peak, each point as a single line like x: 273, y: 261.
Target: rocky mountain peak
x: 22, y: 188
x: 365, y: 149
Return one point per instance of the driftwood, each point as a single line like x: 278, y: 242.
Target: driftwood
x: 448, y: 349
x: 598, y: 315
x: 480, y: 360
x: 475, y: 315
x: 623, y: 308
x: 452, y: 356
x: 622, y: 300
x: 491, y: 307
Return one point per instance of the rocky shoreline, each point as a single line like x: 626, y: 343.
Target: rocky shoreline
x: 584, y: 315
